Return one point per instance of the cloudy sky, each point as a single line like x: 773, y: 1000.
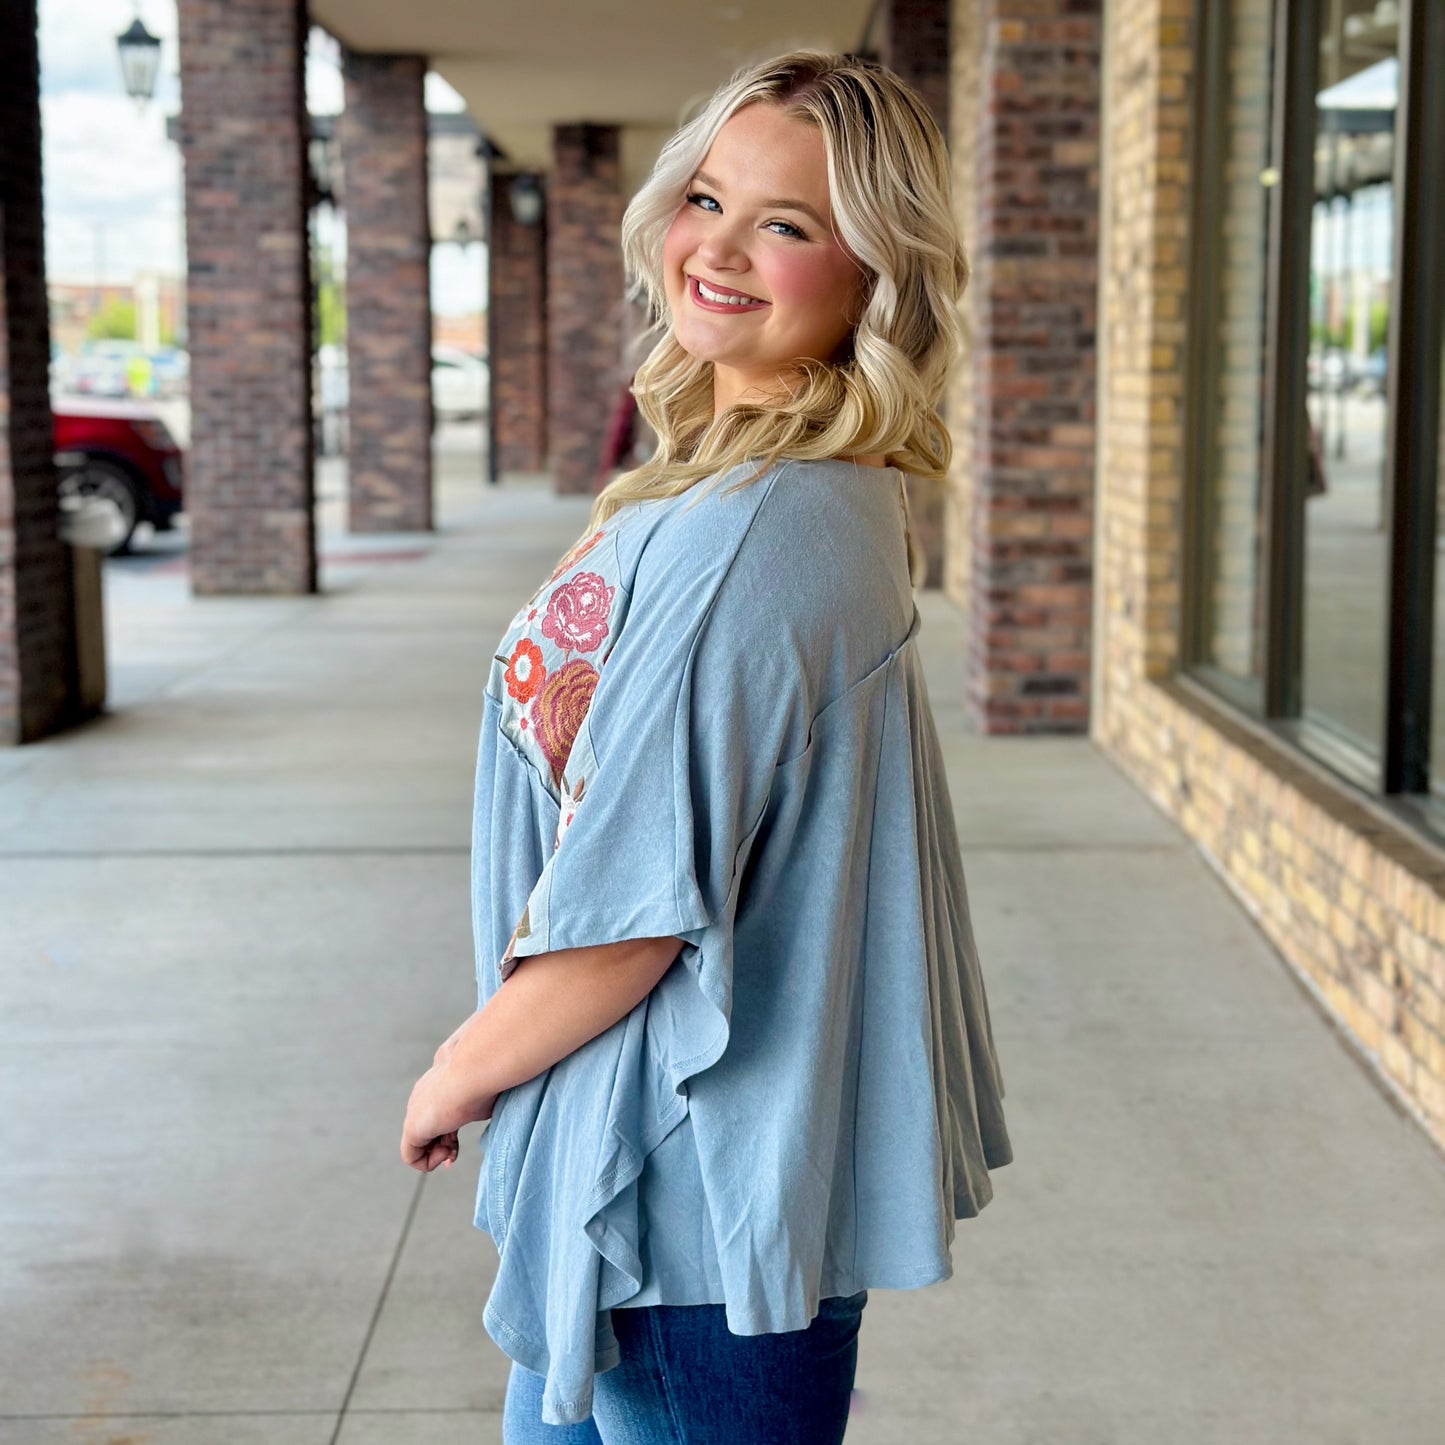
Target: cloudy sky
x: 113, y: 180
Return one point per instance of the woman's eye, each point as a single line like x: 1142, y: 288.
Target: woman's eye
x: 788, y: 226
x: 698, y: 196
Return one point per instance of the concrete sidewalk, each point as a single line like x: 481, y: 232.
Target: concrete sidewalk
x: 236, y: 926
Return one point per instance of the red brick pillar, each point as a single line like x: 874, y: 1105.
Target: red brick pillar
x: 39, y: 691
x: 914, y: 44
x: 584, y: 300
x: 249, y: 477
x: 1035, y: 280
x: 516, y: 332
x: 388, y: 294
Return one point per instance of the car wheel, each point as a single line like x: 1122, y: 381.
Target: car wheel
x: 100, y: 480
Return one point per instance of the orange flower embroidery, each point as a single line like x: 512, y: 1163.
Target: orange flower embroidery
x: 525, y: 672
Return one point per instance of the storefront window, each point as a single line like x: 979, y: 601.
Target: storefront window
x: 1346, y: 517
x: 1316, y: 253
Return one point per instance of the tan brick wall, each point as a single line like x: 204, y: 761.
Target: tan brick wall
x: 1352, y: 905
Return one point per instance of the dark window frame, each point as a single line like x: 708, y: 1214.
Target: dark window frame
x: 1399, y: 777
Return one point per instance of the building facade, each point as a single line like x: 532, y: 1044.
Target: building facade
x: 1264, y: 661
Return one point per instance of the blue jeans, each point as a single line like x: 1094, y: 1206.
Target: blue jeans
x: 685, y: 1379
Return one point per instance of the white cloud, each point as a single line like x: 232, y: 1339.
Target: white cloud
x: 112, y: 184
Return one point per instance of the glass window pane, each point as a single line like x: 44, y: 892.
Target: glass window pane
x: 1346, y: 581
x: 1231, y: 604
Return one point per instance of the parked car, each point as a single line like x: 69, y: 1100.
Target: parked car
x: 123, y: 454
x: 458, y: 383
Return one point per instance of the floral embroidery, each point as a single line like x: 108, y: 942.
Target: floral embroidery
x: 577, y: 613
x: 509, y: 956
x: 525, y: 670
x: 571, y: 797
x: 545, y: 669
x: 559, y: 709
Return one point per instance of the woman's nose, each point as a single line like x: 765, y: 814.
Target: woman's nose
x: 723, y: 247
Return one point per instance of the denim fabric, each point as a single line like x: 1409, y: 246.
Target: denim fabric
x: 711, y: 722
x: 685, y: 1379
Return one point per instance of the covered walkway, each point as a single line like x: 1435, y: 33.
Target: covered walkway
x: 237, y: 926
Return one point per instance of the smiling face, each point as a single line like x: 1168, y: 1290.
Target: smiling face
x: 756, y: 224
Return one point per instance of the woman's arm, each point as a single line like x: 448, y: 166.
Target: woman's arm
x: 551, y: 1005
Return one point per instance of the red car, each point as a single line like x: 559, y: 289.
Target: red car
x: 122, y: 453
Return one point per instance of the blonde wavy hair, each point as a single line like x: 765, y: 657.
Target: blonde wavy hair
x: 888, y: 186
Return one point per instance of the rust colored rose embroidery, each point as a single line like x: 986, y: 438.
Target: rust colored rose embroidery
x: 558, y: 712
x: 577, y: 552
x: 525, y: 670
x: 577, y: 612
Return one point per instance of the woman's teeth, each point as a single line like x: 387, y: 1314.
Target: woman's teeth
x: 709, y: 295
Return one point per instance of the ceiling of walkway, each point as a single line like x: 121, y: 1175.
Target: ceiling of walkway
x: 640, y: 63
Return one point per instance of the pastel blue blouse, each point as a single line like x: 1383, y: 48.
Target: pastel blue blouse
x: 711, y: 722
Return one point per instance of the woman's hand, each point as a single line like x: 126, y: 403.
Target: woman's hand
x: 429, y: 1133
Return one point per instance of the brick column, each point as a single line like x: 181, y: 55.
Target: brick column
x: 249, y: 478
x: 584, y: 300
x: 914, y: 44
x: 388, y: 294
x: 1033, y: 220
x: 39, y: 692
x: 516, y: 334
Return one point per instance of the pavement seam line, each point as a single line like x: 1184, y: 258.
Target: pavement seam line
x: 380, y: 1305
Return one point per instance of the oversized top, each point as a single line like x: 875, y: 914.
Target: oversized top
x: 711, y: 722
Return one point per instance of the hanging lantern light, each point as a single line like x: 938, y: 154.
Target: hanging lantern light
x: 527, y: 202
x: 140, y: 59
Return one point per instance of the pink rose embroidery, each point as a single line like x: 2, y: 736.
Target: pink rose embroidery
x: 559, y: 709
x: 577, y: 613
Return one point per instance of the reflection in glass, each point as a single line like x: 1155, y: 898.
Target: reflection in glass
x: 1231, y: 603
x: 1346, y: 576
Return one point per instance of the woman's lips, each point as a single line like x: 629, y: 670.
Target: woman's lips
x: 728, y: 306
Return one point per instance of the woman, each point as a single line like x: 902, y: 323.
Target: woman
x: 736, y: 1051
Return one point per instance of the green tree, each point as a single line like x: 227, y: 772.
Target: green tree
x: 330, y: 313
x: 115, y: 321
